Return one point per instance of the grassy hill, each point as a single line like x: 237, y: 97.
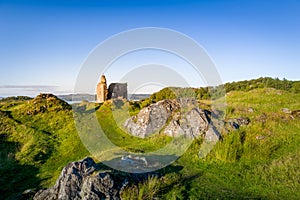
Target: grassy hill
x: 37, y: 138
x: 260, y: 161
x: 210, y: 92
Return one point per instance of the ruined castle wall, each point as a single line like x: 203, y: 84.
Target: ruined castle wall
x: 117, y: 90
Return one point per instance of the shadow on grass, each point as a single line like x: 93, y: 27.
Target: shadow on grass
x: 15, y: 177
x: 194, y: 185
x: 139, y: 175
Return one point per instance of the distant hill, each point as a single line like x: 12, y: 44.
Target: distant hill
x: 17, y: 98
x: 263, y: 82
x: 218, y: 91
x: 92, y: 97
x: 137, y: 97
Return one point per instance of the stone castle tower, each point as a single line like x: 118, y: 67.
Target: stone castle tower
x: 102, y: 90
x: 115, y: 90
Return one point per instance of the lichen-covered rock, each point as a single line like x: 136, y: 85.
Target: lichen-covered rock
x: 152, y: 118
x: 181, y: 117
x: 192, y: 124
x: 79, y: 180
x: 99, y: 186
x: 212, y: 134
x: 171, y: 117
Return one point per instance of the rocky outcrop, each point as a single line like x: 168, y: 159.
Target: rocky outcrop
x: 172, y: 117
x: 46, y: 103
x: 45, y: 96
x: 192, y: 124
x: 237, y: 122
x: 152, y: 118
x: 81, y: 180
x: 181, y: 117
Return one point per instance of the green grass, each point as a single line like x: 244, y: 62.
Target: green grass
x: 244, y: 165
x: 111, y: 123
x: 35, y: 147
x: 259, y: 161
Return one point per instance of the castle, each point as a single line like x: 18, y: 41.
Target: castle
x: 115, y: 90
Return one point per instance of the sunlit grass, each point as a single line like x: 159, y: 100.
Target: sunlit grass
x: 259, y: 161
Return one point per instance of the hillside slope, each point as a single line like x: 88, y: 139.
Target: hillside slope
x: 37, y: 138
x: 261, y: 161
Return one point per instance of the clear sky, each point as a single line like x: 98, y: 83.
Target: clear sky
x: 44, y: 43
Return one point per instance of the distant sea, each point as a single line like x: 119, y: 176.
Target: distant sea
x: 72, y: 102
x: 77, y: 98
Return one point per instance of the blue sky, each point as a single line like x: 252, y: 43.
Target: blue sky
x: 44, y: 43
